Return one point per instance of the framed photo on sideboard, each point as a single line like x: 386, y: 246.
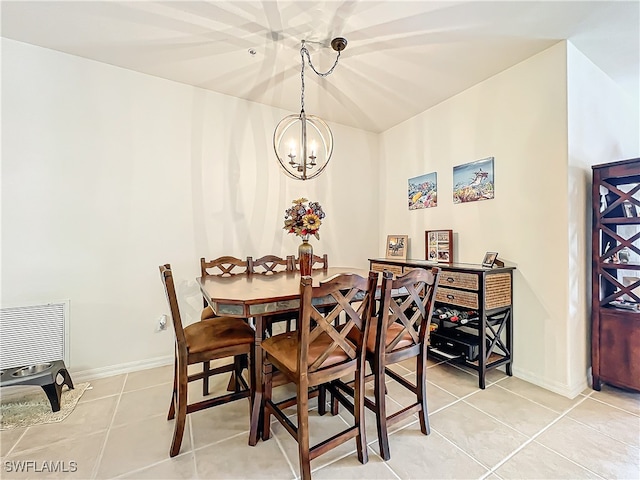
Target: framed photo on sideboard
x: 438, y: 245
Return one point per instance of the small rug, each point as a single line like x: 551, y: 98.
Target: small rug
x: 33, y: 408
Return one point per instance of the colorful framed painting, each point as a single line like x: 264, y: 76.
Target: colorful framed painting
x: 473, y: 181
x: 423, y: 191
x: 397, y: 246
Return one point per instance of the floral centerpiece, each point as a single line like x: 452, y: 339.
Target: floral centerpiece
x: 304, y: 219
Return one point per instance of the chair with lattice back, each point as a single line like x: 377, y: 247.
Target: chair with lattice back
x: 204, y: 341
x: 225, y: 266
x: 270, y: 264
x: 318, y: 353
x: 401, y: 332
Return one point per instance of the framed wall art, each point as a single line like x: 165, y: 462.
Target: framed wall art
x: 423, y: 191
x: 397, y: 246
x: 473, y: 181
x: 439, y: 245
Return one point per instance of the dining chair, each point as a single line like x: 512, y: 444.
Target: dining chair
x: 317, y: 262
x: 270, y: 264
x: 207, y: 340
x: 317, y: 354
x: 401, y: 332
x: 225, y: 266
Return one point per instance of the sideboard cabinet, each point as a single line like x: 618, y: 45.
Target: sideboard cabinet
x: 615, y: 267
x: 485, y: 340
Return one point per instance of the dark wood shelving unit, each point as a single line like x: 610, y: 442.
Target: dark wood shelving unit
x: 615, y: 331
x: 489, y: 291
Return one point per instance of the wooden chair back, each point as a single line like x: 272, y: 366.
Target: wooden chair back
x: 270, y: 264
x: 317, y: 262
x: 170, y: 290
x: 225, y: 266
x: 347, y: 294
x: 403, y: 325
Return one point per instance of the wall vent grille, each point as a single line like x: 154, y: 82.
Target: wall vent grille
x: 34, y: 334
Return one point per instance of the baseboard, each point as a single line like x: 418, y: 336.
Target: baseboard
x: 96, y: 373
x: 569, y: 391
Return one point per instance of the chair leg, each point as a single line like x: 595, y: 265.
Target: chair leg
x: 267, y: 374
x: 421, y: 391
x: 181, y: 409
x: 303, y: 430
x: 174, y: 392
x: 322, y: 400
x: 238, y: 366
x: 381, y: 409
x: 206, y: 366
x: 358, y: 410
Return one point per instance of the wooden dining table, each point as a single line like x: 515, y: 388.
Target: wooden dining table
x: 256, y: 296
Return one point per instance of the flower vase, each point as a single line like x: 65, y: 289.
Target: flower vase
x: 305, y: 254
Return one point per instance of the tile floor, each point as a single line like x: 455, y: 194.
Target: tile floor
x: 512, y: 429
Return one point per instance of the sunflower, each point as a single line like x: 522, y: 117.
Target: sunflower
x: 311, y: 222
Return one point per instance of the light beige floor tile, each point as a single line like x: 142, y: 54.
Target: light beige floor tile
x: 86, y: 418
x: 233, y: 458
x: 134, y: 446
x: 625, y: 399
x: 589, y: 448
x: 535, y: 462
x: 140, y: 404
x: 611, y: 421
x: 481, y: 436
x: 414, y: 455
x: 149, y: 378
x: 180, y: 467
x: 438, y: 398
x: 221, y: 422
x: 103, y: 387
x: 517, y: 412
x: 452, y: 380
x: 537, y: 394
x: 8, y: 439
x: 491, y: 376
x: 349, y: 468
x: 75, y: 457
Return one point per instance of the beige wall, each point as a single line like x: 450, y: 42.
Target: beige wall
x: 108, y: 173
x: 604, y: 126
x: 519, y: 117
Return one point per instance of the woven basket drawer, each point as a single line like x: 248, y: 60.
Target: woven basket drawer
x: 468, y: 281
x: 381, y: 267
x: 457, y: 297
x: 497, y: 291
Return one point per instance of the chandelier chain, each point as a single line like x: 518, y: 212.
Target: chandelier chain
x: 304, y: 51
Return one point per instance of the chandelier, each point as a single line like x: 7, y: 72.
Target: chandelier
x: 304, y: 143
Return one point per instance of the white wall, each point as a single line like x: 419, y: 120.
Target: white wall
x: 108, y: 173
x: 604, y: 126
x: 519, y: 117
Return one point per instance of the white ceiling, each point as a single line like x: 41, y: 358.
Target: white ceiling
x: 403, y: 56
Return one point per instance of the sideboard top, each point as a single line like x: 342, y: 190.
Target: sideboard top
x: 448, y: 266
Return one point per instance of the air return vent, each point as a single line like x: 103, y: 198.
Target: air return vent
x: 34, y: 334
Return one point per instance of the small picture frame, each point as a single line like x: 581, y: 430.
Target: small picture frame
x: 629, y: 210
x: 438, y: 246
x: 397, y: 246
x: 489, y: 259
